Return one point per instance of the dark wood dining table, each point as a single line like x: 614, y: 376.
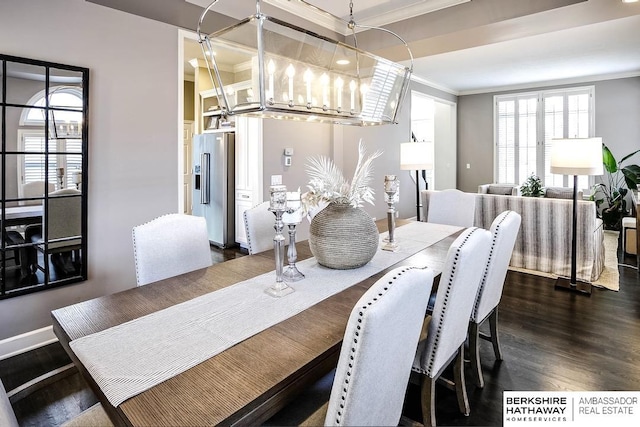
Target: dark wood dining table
x: 250, y: 381
x: 22, y: 215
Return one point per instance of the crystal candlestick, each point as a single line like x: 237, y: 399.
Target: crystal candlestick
x: 391, y: 186
x: 291, y: 220
x: 278, y: 205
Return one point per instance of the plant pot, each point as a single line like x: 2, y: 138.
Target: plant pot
x: 343, y: 237
x: 612, y: 219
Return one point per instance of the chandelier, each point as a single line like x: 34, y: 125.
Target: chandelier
x: 287, y: 72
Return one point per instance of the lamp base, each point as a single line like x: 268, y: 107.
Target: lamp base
x: 564, y: 283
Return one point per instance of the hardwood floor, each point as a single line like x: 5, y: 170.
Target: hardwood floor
x: 551, y: 340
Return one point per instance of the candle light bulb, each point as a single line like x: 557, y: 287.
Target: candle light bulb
x: 291, y: 71
x: 339, y: 84
x: 271, y: 69
x: 308, y: 77
x: 324, y: 79
x: 352, y: 87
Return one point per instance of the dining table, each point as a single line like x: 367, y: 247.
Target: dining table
x: 22, y: 215
x: 248, y: 381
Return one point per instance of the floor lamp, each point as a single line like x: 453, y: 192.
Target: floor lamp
x: 580, y: 156
x: 416, y: 156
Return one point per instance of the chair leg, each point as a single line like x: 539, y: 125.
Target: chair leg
x: 428, y: 401
x: 493, y: 326
x: 474, y: 353
x: 461, y: 388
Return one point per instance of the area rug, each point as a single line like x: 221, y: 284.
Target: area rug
x: 610, y: 277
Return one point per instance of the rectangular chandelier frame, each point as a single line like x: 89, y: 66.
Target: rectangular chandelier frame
x: 292, y: 73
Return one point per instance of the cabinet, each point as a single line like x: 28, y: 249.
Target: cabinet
x: 237, y: 93
x: 248, y: 170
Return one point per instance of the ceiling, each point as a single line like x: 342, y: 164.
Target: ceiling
x: 365, y: 12
x: 494, y: 47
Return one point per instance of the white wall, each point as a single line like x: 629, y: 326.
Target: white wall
x: 307, y: 140
x: 133, y: 110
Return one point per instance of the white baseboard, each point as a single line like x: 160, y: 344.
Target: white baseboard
x: 19, y: 344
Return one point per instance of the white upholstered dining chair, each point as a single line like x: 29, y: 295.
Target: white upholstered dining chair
x: 450, y: 207
x: 504, y: 231
x: 63, y: 229
x: 375, y: 359
x: 445, y: 331
x: 7, y: 416
x: 170, y: 245
x: 258, y: 224
x: 35, y: 189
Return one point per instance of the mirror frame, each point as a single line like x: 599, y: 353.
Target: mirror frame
x: 80, y: 272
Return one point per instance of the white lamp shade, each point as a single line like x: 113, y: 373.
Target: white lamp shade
x: 416, y: 156
x: 578, y: 156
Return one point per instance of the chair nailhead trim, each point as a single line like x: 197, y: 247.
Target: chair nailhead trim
x: 483, y: 283
x: 354, y: 347
x: 431, y: 360
x: 135, y: 250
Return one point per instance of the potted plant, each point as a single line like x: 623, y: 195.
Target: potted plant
x: 532, y: 187
x: 342, y: 235
x: 610, y: 194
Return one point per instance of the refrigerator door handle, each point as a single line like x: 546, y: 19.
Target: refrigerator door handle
x: 205, y: 184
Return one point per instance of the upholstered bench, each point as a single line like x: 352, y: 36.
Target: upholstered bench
x: 544, y: 240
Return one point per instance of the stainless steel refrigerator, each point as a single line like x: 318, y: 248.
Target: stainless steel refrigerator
x: 214, y: 185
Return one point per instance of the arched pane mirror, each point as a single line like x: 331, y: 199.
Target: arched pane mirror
x: 43, y: 205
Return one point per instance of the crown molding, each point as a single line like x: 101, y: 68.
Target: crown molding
x: 557, y: 82
x: 429, y: 83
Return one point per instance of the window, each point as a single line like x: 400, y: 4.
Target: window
x: 65, y: 139
x: 67, y: 159
x: 526, y: 124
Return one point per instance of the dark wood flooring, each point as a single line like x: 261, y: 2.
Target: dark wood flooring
x: 552, y: 340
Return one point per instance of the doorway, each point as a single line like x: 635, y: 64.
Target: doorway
x: 434, y: 120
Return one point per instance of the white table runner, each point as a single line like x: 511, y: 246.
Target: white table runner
x: 127, y: 359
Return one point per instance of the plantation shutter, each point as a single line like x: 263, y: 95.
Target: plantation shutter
x: 520, y: 120
x: 72, y: 162
x: 34, y: 169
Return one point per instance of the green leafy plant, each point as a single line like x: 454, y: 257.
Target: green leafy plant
x: 328, y: 185
x: 610, y: 194
x: 532, y: 187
